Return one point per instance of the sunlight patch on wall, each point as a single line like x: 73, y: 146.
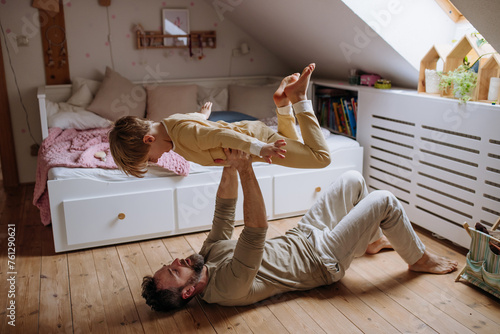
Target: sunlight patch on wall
x: 410, y: 27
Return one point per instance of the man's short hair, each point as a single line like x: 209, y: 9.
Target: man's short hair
x: 162, y: 300
x: 126, y: 143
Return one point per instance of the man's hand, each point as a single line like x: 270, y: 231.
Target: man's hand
x: 254, y: 209
x: 238, y: 159
x: 269, y: 151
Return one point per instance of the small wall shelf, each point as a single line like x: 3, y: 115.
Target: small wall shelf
x: 491, y: 69
x: 453, y: 57
x: 195, y: 39
x: 429, y: 62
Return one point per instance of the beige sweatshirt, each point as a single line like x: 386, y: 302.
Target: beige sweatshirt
x: 251, y: 269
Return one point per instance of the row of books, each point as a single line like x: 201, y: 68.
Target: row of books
x: 338, y: 113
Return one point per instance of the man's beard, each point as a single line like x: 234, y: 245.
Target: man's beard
x: 197, y: 263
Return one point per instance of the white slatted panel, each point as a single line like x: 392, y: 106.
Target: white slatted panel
x: 441, y: 159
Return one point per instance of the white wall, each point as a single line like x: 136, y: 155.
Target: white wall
x: 90, y: 52
x: 483, y: 14
x: 323, y: 31
x: 410, y: 27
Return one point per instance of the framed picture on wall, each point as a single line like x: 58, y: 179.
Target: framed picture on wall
x: 175, y: 22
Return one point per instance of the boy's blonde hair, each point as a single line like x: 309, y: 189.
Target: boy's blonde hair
x: 127, y: 147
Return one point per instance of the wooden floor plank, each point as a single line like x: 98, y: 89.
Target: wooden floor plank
x: 119, y: 307
x: 224, y: 318
x: 324, y: 313
x: 468, y: 294
x: 156, y: 253
x: 356, y: 310
x: 291, y: 315
x: 12, y: 206
x: 87, y: 305
x: 29, y: 252
x: 7, y: 312
x: 399, y: 317
x: 55, y: 305
x: 28, y: 278
x: 136, y: 267
x: 444, y: 298
x: 260, y: 319
x: 384, y: 277
x: 195, y: 241
x: 22, y: 247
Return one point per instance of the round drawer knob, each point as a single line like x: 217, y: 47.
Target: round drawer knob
x: 121, y: 216
x: 318, y: 189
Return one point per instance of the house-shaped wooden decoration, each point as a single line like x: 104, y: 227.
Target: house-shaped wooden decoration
x: 429, y: 62
x: 490, y: 69
x: 466, y: 47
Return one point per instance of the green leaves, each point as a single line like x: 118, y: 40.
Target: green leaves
x: 463, y: 81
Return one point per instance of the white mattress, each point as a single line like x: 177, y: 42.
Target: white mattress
x: 335, y: 142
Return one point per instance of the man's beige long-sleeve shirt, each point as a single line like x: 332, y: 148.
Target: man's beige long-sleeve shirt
x: 250, y: 269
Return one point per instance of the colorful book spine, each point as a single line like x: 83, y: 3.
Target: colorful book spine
x: 337, y: 111
x: 352, y: 118
x: 335, y: 108
x: 346, y: 116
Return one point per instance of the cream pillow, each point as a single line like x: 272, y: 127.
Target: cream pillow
x: 82, y: 97
x: 256, y: 101
x: 164, y: 101
x: 218, y: 96
x: 92, y: 85
x: 65, y: 116
x: 117, y: 97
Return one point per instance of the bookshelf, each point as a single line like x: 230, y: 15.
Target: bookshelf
x: 336, y: 109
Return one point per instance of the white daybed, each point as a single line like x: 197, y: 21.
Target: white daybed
x: 93, y: 207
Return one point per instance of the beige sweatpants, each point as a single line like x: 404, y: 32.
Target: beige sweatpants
x: 313, y: 152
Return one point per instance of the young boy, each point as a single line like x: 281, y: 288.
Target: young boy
x: 134, y: 142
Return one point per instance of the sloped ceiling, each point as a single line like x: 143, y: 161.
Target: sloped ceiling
x: 326, y: 32
x: 483, y: 15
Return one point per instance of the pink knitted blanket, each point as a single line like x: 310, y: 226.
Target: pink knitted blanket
x: 75, y: 149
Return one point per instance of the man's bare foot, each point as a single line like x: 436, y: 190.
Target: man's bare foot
x: 206, y: 109
x: 279, y: 97
x: 297, y: 90
x: 434, y: 264
x: 378, y: 245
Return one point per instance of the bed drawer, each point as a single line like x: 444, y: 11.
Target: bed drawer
x: 296, y: 192
x: 118, y: 216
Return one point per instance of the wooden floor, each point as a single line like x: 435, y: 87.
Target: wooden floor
x: 98, y: 290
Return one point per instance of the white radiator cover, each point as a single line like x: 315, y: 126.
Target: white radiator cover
x: 440, y: 158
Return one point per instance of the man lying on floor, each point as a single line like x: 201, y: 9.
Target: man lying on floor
x: 345, y: 222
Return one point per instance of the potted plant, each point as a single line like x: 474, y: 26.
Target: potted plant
x: 463, y: 79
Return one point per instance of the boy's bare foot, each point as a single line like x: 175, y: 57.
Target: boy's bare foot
x: 206, y: 109
x: 434, y: 264
x: 297, y: 90
x: 279, y: 97
x: 378, y: 245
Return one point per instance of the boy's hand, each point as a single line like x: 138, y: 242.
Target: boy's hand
x: 206, y: 109
x: 269, y: 151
